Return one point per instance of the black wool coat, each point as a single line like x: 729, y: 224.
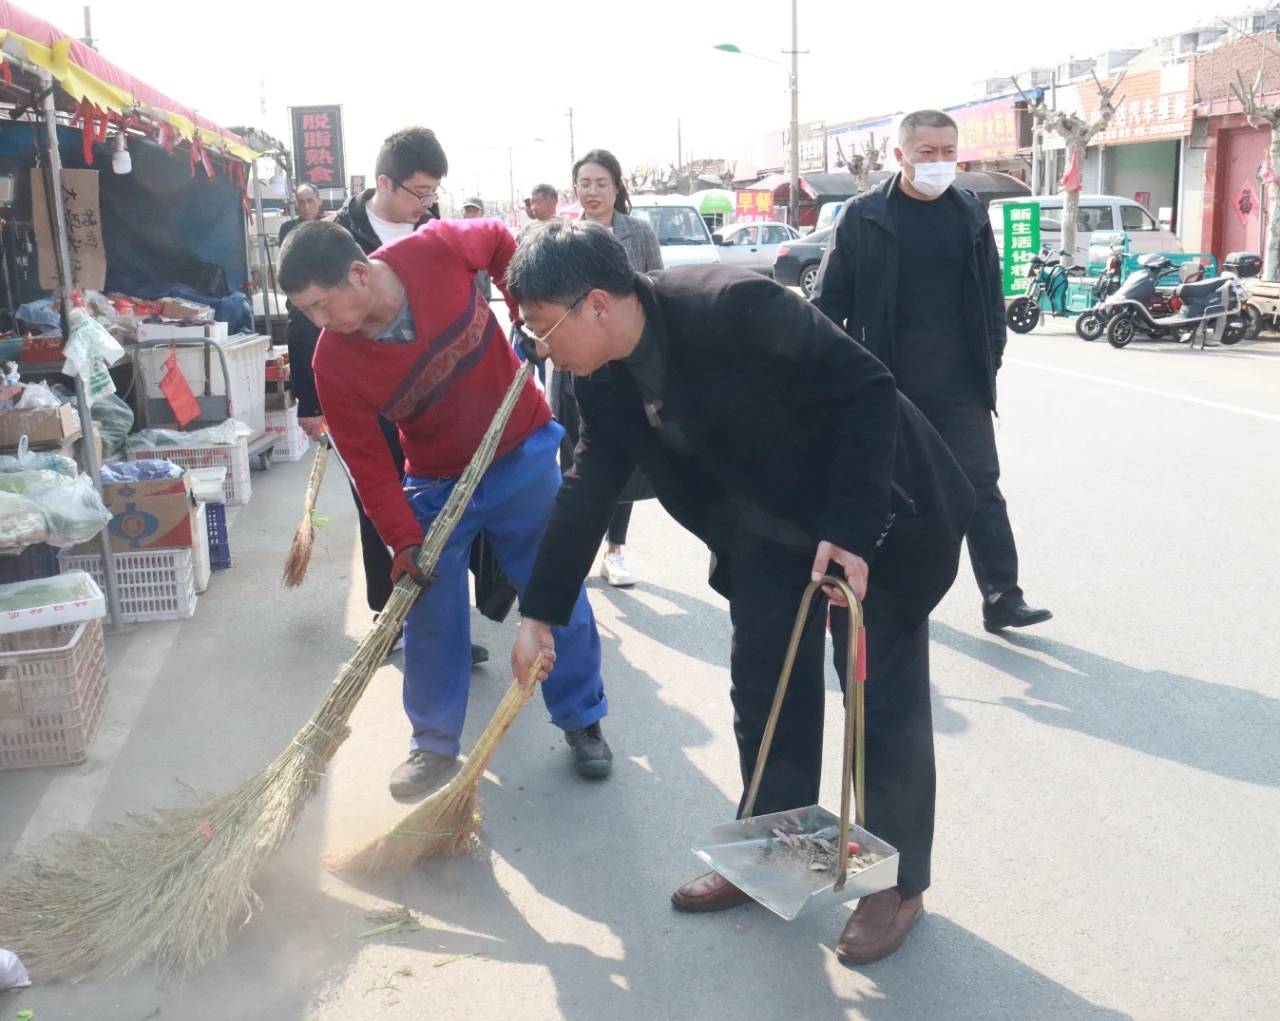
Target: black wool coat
x: 781, y: 410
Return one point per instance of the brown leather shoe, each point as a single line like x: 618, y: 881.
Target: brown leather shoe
x: 878, y: 926
x: 711, y: 892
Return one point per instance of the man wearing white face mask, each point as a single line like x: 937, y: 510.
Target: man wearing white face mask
x: 913, y: 275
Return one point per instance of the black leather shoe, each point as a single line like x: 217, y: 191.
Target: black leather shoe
x: 479, y: 654
x: 1011, y: 610
x: 591, y: 755
x: 421, y: 773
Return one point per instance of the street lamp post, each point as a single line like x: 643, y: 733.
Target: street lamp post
x: 793, y: 80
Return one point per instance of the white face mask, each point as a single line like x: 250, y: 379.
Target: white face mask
x: 932, y: 179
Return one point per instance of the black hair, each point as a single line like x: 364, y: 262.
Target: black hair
x: 317, y: 253
x: 546, y: 191
x: 558, y: 262
x: 923, y: 119
x: 610, y: 162
x: 409, y: 151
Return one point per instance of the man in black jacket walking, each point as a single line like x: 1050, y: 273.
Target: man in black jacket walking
x: 913, y: 275
x: 788, y: 451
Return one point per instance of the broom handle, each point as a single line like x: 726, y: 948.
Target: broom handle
x: 356, y: 675
x: 316, y: 476
x: 503, y: 716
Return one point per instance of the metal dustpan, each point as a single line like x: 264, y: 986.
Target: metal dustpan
x: 772, y: 857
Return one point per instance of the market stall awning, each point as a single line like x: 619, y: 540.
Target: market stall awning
x: 86, y: 75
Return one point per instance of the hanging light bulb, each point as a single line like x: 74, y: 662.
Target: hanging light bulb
x: 121, y: 161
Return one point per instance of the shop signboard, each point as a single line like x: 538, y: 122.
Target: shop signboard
x: 1021, y: 243
x: 988, y: 131
x: 84, y: 230
x: 753, y: 206
x: 317, y: 146
x: 357, y: 184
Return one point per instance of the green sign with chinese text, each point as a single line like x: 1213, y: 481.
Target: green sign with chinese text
x: 1021, y: 243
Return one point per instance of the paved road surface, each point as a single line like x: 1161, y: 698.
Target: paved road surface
x: 1108, y: 812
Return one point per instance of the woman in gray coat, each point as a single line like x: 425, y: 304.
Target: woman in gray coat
x: 597, y: 181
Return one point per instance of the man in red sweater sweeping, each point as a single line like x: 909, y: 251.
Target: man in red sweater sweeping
x: 407, y: 336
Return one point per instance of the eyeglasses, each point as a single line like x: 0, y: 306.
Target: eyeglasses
x: 601, y: 185
x: 544, y: 340
x: 424, y: 198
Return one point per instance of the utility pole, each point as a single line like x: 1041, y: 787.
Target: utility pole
x: 679, y: 149
x: 511, y: 183
x: 793, y: 206
x: 88, y: 39
x: 573, y: 156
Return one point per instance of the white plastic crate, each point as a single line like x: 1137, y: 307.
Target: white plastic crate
x: 157, y: 584
x: 44, y: 602
x: 292, y: 443
x: 200, y: 549
x: 53, y: 683
x: 236, y: 488
x: 246, y: 365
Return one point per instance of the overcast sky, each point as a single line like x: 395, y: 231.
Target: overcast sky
x: 490, y: 74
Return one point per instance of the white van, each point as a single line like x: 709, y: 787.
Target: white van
x: 1097, y: 212
x: 682, y: 233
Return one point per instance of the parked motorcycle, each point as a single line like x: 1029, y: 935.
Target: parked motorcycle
x: 1218, y: 304
x: 1247, y: 265
x: 1091, y: 324
x: 1045, y: 276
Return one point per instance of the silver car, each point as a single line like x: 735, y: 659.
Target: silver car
x: 753, y: 245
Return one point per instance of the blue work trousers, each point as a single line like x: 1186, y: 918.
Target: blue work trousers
x: 510, y: 506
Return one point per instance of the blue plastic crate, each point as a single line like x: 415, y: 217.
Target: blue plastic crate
x: 219, y: 545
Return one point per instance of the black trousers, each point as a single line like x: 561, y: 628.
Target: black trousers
x: 377, y: 560
x: 965, y: 425
x: 619, y: 523
x: 766, y: 582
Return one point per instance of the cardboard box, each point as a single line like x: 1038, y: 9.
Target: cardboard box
x: 43, y: 427
x: 156, y: 514
x: 176, y: 308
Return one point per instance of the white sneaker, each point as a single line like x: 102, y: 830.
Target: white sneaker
x: 615, y: 571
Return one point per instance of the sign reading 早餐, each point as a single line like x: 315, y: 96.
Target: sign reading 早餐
x: 1021, y: 243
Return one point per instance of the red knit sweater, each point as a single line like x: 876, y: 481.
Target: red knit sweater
x: 441, y: 389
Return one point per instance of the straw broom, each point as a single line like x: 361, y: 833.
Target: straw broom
x: 444, y: 825
x: 295, y: 567
x: 167, y: 887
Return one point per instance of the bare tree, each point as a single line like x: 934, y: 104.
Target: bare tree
x: 1250, y: 97
x: 1076, y: 132
x: 863, y: 164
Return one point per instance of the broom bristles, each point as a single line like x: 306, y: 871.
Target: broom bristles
x: 444, y: 825
x: 295, y: 567
x: 299, y: 559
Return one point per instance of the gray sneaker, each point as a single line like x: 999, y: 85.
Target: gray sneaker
x: 591, y: 754
x: 421, y: 773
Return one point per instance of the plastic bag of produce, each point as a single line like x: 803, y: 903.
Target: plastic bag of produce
x: 139, y: 471
x: 223, y: 435
x: 115, y: 419
x: 90, y: 351
x: 28, y: 460
x: 21, y: 524
x: 20, y: 481
x: 37, y: 395
x: 73, y: 510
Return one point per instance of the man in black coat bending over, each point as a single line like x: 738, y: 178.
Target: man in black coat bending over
x: 913, y: 275
x: 787, y: 449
